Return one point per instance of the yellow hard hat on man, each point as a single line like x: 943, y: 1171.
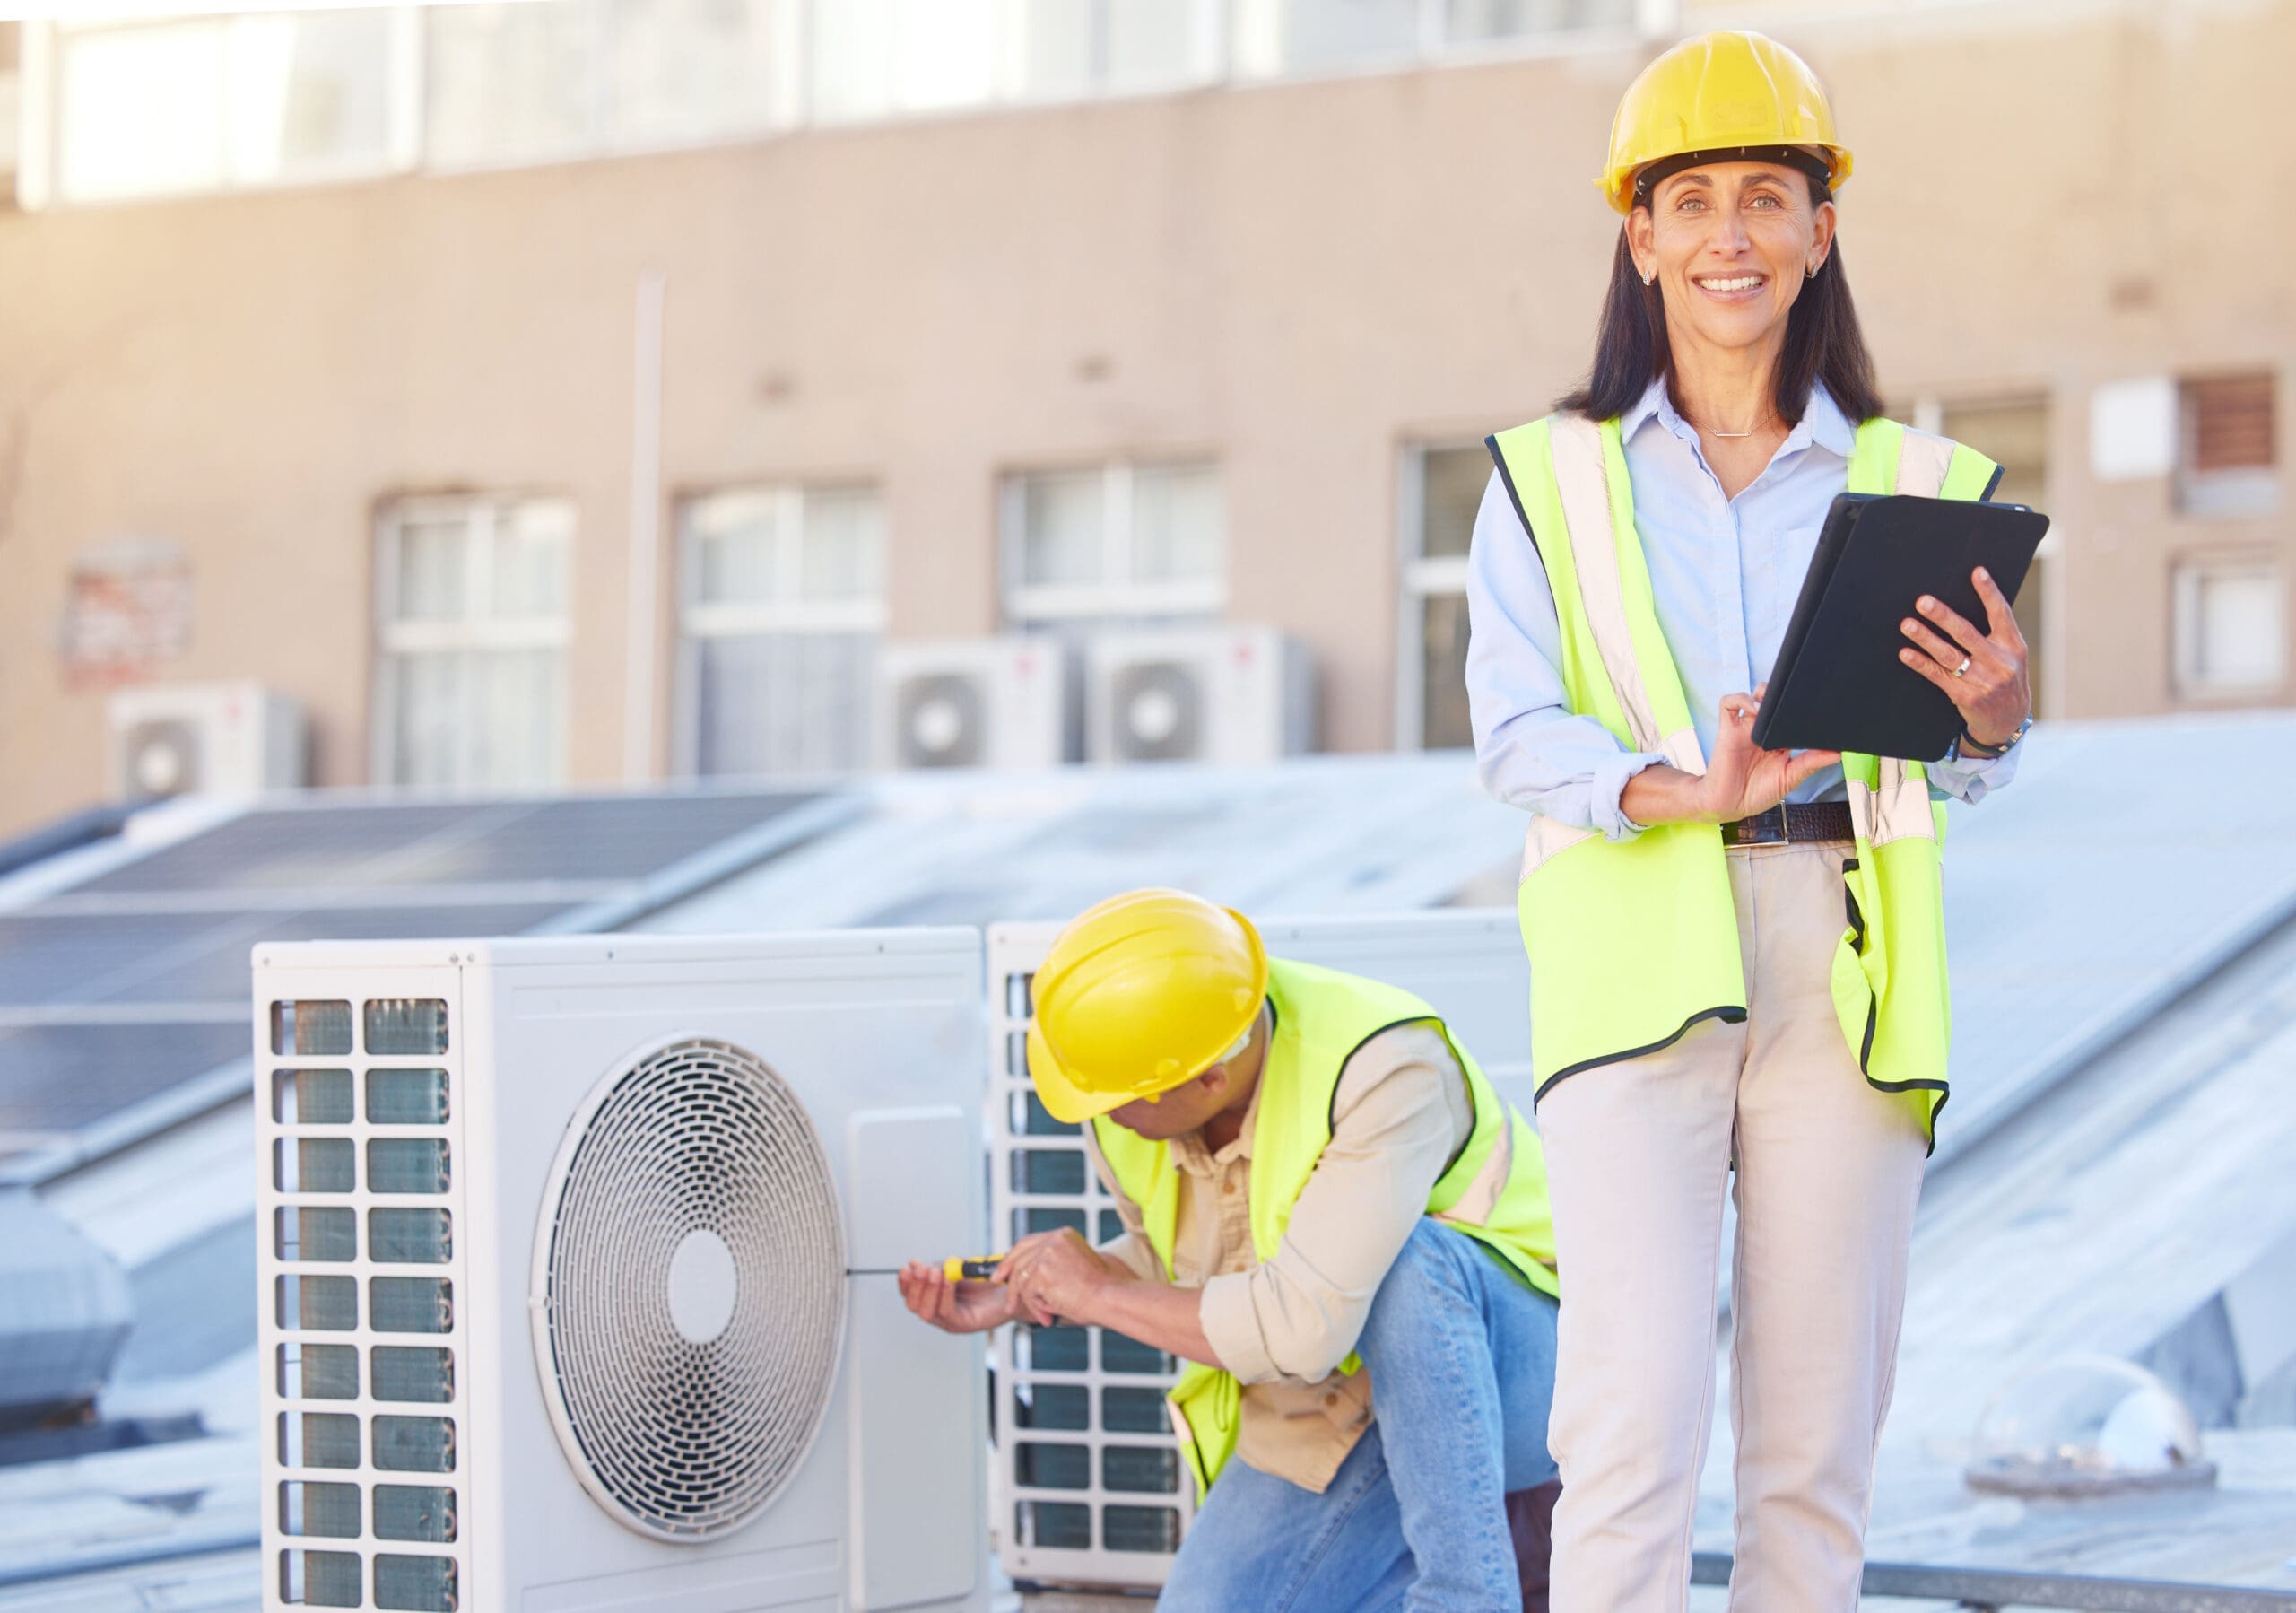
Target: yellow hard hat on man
x: 1140, y: 994
x: 1726, y: 96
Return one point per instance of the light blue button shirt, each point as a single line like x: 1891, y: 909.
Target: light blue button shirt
x: 1725, y: 574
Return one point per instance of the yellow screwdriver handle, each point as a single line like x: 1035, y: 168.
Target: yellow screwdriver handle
x: 981, y: 1268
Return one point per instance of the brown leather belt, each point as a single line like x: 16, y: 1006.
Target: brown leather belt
x: 1791, y: 822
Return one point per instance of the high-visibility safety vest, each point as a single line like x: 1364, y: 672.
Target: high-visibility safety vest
x: 1633, y: 942
x: 1494, y: 1192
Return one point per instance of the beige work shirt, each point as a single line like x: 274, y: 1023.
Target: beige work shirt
x: 1401, y: 1115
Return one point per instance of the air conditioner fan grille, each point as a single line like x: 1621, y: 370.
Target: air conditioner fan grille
x: 684, y: 1410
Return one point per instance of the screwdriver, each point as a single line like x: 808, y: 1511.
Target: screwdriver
x: 956, y: 1269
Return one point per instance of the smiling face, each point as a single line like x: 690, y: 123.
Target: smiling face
x: 1730, y: 244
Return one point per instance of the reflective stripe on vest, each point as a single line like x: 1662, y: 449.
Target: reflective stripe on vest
x: 1494, y: 1192
x: 1633, y: 943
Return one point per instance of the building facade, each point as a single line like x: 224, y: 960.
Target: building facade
x: 585, y: 390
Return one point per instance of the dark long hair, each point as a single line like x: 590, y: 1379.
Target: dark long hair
x: 1822, y: 342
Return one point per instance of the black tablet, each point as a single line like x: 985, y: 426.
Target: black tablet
x: 1838, y: 685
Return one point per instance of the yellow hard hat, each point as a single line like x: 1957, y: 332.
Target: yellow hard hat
x: 1140, y: 994
x: 1723, y: 95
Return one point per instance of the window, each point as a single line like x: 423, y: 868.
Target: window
x: 1280, y: 37
x: 472, y: 603
x: 783, y: 604
x: 1064, y: 50
x: 1442, y: 489
x: 1138, y: 542
x: 874, y: 58
x: 2013, y: 433
x: 1469, y: 21
x: 509, y: 83
x: 2227, y: 446
x: 687, y: 70
x: 174, y: 105
x: 213, y: 103
x: 545, y: 80
x: 10, y: 75
x: 2230, y: 637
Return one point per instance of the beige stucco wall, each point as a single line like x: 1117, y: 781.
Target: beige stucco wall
x: 1296, y: 279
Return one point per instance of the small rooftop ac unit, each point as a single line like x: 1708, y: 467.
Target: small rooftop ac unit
x: 234, y: 738
x: 1223, y: 694
x: 575, y: 1265
x: 973, y: 703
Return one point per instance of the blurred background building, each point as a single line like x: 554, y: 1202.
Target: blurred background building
x: 585, y: 392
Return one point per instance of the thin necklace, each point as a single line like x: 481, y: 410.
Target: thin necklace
x: 1735, y: 435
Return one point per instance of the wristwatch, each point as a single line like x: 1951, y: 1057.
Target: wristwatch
x: 1965, y: 740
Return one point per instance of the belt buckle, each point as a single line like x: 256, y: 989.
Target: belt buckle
x: 1785, y: 825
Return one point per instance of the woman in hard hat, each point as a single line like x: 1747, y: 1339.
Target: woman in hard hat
x: 1737, y: 956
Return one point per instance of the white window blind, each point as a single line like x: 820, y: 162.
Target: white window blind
x: 208, y: 103
x: 1442, y: 489
x: 2231, y: 628
x: 472, y: 627
x: 1131, y: 542
x: 783, y: 605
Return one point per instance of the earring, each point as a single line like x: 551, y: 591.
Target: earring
x: 1648, y: 278
x: 1811, y: 271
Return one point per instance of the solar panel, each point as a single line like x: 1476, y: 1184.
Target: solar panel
x: 301, y: 848
x: 175, y: 927
x: 463, y: 843
x: 72, y: 958
x: 609, y: 837
x: 56, y: 1079
x: 219, y: 974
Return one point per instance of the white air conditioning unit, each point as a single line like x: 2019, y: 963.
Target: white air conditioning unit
x: 1087, y: 1474
x: 575, y: 1269
x: 974, y: 702
x: 1234, y: 695
x: 235, y: 739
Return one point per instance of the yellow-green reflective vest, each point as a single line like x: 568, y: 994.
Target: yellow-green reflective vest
x: 1494, y: 1192
x: 1633, y: 942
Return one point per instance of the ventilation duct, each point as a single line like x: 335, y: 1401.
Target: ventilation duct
x: 66, y: 1315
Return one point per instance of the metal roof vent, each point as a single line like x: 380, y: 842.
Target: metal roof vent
x: 2084, y: 1425
x: 65, y: 1312
x: 689, y: 1260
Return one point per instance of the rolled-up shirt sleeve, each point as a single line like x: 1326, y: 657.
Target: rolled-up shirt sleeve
x: 1402, y: 1115
x: 1971, y: 779
x: 1531, y: 750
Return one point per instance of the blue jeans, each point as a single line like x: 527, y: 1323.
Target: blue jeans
x: 1461, y: 1352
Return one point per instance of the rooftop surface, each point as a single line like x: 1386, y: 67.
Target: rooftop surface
x: 2108, y: 1177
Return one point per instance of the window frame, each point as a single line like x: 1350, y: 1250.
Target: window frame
x: 2186, y: 572
x: 1026, y: 606
x: 395, y: 638
x: 793, y: 103
x: 1418, y: 578
x: 2229, y: 492
x: 41, y: 153
x: 789, y: 614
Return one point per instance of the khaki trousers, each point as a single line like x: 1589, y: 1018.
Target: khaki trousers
x: 1828, y: 1170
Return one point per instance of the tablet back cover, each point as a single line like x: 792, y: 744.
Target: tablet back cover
x: 1839, y: 684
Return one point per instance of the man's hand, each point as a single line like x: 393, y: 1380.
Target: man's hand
x: 964, y: 1307
x: 1058, y: 1274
